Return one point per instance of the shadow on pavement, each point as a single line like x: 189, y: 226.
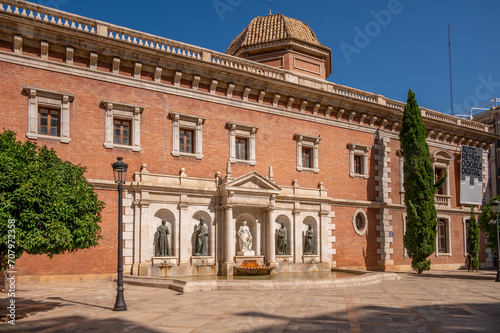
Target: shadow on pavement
x: 76, y: 324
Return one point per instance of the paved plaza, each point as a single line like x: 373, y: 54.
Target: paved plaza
x: 438, y: 301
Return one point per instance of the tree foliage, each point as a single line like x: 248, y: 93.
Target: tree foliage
x: 420, y: 188
x: 472, y: 243
x: 489, y: 228
x: 54, y: 207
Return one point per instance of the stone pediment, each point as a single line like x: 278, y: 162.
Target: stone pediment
x: 252, y: 182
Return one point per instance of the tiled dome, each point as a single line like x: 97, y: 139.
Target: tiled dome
x: 273, y: 28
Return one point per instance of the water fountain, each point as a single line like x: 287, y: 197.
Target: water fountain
x: 252, y: 267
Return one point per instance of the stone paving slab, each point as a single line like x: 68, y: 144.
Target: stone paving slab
x: 438, y: 301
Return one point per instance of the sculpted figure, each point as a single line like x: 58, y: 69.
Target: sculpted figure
x: 309, y: 241
x: 161, y: 242
x: 245, y: 237
x: 201, y: 238
x: 282, y: 245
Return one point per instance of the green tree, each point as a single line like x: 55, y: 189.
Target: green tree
x: 472, y: 243
x: 420, y: 188
x: 49, y: 202
x: 488, y: 228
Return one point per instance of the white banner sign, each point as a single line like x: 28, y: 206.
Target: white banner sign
x: 471, y: 176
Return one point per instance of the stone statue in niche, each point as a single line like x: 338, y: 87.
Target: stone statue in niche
x: 282, y: 243
x: 161, y: 240
x: 309, y: 241
x: 201, y: 238
x: 245, y: 237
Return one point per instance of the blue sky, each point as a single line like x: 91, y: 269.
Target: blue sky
x: 381, y: 46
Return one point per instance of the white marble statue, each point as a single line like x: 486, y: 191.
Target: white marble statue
x: 245, y: 238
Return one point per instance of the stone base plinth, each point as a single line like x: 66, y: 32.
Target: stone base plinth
x: 202, y: 260
x: 245, y: 253
x: 284, y: 258
x: 240, y: 259
x: 310, y: 259
x: 164, y: 261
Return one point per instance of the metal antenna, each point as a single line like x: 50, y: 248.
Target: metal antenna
x: 270, y: 7
x: 449, y: 54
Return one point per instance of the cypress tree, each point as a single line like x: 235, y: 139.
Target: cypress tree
x: 420, y: 188
x: 472, y: 243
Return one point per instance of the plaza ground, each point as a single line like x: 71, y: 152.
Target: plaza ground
x: 438, y: 301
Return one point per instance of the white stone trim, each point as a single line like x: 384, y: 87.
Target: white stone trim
x: 405, y: 251
x: 195, y: 123
x: 358, y: 150
x: 365, y: 219
x: 465, y: 219
x: 308, y: 142
x: 122, y: 111
x: 53, y: 99
x: 244, y: 131
x: 443, y: 162
x: 448, y: 240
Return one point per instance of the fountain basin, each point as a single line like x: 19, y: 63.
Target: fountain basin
x: 252, y: 267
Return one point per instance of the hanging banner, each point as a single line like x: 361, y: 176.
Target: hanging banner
x: 471, y: 176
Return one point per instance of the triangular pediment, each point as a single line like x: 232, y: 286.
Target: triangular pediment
x: 252, y: 181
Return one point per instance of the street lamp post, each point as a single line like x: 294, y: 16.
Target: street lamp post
x: 120, y: 174
x: 495, y: 207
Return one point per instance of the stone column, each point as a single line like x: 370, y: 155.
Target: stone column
x: 258, y: 238
x: 230, y: 236
x: 212, y: 236
x: 297, y: 237
x: 183, y: 236
x: 271, y: 254
x: 324, y: 253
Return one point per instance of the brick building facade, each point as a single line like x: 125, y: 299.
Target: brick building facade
x: 255, y: 134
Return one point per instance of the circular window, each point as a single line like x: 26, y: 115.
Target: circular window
x: 360, y: 222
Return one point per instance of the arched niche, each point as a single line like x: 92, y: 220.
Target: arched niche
x: 309, y: 220
x: 195, y: 221
x: 252, y: 225
x: 169, y: 217
x: 288, y: 225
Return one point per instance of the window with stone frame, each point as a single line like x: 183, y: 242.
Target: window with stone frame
x: 360, y: 222
x: 242, y: 143
x: 307, y: 152
x: 122, y: 125
x: 48, y: 114
x: 187, y: 138
x: 241, y: 148
x: 465, y: 222
x: 358, y: 160
x: 443, y: 237
x: 49, y: 121
x: 441, y: 160
x: 121, y: 132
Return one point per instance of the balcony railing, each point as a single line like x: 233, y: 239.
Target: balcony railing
x: 442, y: 200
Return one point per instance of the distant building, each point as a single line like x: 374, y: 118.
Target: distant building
x: 256, y: 134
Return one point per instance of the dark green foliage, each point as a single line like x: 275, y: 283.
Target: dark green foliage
x: 489, y: 228
x: 420, y: 237
x: 54, y: 207
x: 472, y: 243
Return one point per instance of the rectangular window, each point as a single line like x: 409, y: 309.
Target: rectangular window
x: 48, y: 123
x: 442, y: 235
x: 186, y: 140
x: 358, y: 164
x: 306, y: 158
x: 121, y: 132
x: 241, y: 145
